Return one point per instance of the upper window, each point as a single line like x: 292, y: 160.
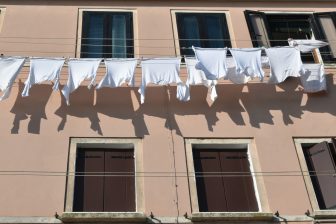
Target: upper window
x: 318, y: 159
x: 107, y: 35
x: 208, y: 30
x: 272, y: 29
x: 222, y: 176
x: 105, y: 177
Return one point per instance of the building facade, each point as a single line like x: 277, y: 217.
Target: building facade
x: 260, y: 153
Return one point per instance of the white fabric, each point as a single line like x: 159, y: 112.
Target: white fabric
x: 212, y: 61
x: 10, y: 68
x: 80, y: 69
x: 161, y: 71
x: 41, y: 70
x: 284, y: 62
x: 313, y: 78
x: 196, y: 77
x: 232, y: 74
x: 118, y: 72
x: 248, y: 62
x: 306, y: 45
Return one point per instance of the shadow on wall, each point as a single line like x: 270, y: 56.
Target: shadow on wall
x: 259, y: 102
x: 23, y: 109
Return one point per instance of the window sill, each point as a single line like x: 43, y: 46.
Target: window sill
x: 232, y: 216
x: 324, y: 214
x: 103, y: 217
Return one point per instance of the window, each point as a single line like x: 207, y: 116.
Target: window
x: 221, y: 177
x: 201, y: 30
x: 2, y: 17
x: 318, y: 159
x: 107, y: 34
x: 274, y: 29
x: 106, y: 176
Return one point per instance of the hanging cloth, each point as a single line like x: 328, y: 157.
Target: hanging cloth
x: 284, y: 62
x: 41, y: 70
x: 306, y: 45
x: 10, y: 68
x: 313, y: 78
x: 211, y: 61
x: 161, y: 71
x: 80, y: 69
x: 196, y: 77
x: 118, y: 72
x: 232, y: 75
x: 248, y: 62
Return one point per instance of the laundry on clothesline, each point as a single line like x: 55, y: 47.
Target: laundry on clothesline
x: 306, y: 46
x: 313, y: 78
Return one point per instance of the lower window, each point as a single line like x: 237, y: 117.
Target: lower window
x: 221, y: 176
x: 318, y: 159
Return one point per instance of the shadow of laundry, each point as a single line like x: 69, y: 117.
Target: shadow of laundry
x: 81, y: 105
x: 32, y: 106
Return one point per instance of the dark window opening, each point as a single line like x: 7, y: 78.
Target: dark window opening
x: 270, y: 30
x: 107, y: 35
x: 320, y: 159
x: 104, y: 180
x: 208, y: 30
x: 223, y: 180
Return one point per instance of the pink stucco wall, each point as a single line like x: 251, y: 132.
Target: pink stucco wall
x: 35, y: 131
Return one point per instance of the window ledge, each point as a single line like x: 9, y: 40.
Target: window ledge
x: 324, y: 214
x: 103, y: 217
x: 232, y: 216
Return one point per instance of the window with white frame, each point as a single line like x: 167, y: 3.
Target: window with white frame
x: 201, y: 29
x: 273, y: 29
x: 105, y: 175
x: 318, y: 163
x: 221, y: 176
x: 106, y: 34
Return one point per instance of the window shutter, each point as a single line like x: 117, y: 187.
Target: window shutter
x: 238, y: 184
x: 325, y: 27
x: 258, y: 27
x: 89, y: 189
x: 319, y: 161
x: 119, y: 189
x: 209, y: 182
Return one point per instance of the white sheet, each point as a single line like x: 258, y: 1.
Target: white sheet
x: 306, y: 45
x: 313, y: 79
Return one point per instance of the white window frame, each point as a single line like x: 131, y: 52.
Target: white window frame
x: 175, y: 31
x: 80, y: 26
x: 259, y: 188
x: 101, y: 143
x: 317, y: 212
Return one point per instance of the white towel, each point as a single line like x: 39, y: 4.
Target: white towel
x: 248, y: 62
x: 118, y: 72
x: 160, y: 71
x: 313, y: 78
x: 232, y: 75
x: 195, y: 77
x: 284, y: 62
x: 211, y: 62
x: 41, y: 70
x: 306, y: 45
x: 80, y: 69
x: 10, y: 68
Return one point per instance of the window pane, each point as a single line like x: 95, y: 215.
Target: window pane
x: 107, y: 34
x: 320, y: 163
x: 202, y: 30
x: 329, y: 29
x: 93, y: 34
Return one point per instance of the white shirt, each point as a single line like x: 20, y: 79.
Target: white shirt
x: 313, y: 78
x: 80, y: 69
x: 306, y: 45
x: 118, y: 72
x: 10, y: 68
x: 248, y: 62
x: 160, y: 71
x: 41, y: 70
x: 284, y: 62
x: 211, y: 61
